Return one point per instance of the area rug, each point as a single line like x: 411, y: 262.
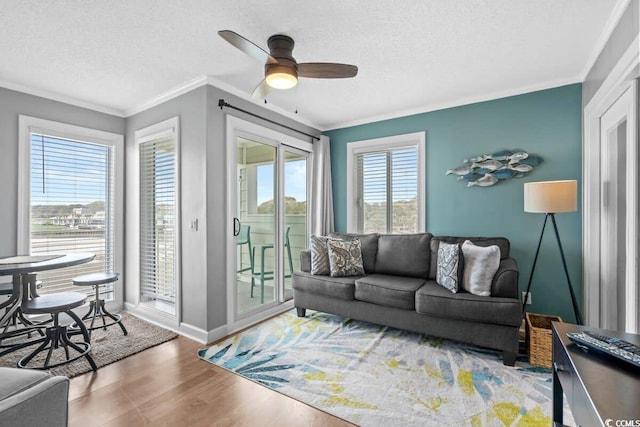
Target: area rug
x: 378, y: 376
x: 106, y: 346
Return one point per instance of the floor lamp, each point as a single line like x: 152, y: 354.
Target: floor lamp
x: 550, y: 198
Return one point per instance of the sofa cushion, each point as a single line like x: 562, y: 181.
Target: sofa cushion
x: 404, y: 254
x: 345, y: 257
x: 335, y: 287
x: 434, y: 300
x: 368, y: 245
x: 500, y: 242
x: 390, y: 291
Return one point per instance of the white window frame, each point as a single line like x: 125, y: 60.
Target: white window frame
x: 162, y: 129
x: 409, y: 140
x: 28, y: 125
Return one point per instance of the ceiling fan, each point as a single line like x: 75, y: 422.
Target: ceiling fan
x: 281, y: 70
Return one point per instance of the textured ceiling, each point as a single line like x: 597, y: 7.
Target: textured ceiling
x: 413, y: 55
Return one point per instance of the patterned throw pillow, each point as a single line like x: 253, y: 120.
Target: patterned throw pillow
x: 345, y: 257
x: 449, y: 266
x: 480, y: 265
x: 320, y: 256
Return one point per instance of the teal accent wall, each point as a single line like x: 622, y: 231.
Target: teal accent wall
x: 547, y: 123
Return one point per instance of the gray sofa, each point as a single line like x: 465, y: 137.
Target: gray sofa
x: 33, y: 398
x: 399, y: 290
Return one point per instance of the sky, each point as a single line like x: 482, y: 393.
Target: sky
x: 295, y: 181
x: 74, y: 172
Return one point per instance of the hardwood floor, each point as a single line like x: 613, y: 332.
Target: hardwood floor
x: 169, y: 385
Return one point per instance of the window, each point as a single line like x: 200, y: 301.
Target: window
x: 264, y: 189
x: 385, y: 190
x: 70, y: 195
x: 159, y: 215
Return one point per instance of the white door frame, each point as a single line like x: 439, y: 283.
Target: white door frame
x: 281, y: 187
x: 236, y: 127
x: 612, y: 176
x: 619, y: 81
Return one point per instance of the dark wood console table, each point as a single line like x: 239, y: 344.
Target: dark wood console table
x: 598, y: 387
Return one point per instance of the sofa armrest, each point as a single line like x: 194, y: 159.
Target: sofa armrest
x: 305, y: 261
x: 44, y: 404
x: 505, y: 281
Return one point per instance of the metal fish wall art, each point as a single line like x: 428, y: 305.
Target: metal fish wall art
x: 488, y: 169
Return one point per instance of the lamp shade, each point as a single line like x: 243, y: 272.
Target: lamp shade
x: 551, y: 196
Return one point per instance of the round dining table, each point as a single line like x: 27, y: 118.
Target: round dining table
x: 23, y: 268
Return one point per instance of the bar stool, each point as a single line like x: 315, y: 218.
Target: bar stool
x: 96, y: 306
x: 268, y: 275
x: 13, y: 317
x: 57, y: 335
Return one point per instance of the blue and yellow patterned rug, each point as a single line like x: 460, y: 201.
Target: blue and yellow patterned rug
x: 374, y: 376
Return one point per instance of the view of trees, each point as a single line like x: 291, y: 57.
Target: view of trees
x: 291, y: 206
x: 63, y: 211
x: 404, y: 220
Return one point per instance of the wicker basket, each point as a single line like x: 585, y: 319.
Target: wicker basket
x: 538, y: 338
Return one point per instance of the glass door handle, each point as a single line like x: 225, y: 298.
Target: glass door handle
x: 236, y: 230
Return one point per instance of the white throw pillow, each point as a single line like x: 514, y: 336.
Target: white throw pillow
x: 480, y: 265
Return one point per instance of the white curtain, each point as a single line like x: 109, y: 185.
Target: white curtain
x: 321, y: 189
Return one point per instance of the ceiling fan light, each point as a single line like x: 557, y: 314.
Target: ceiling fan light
x: 281, y: 78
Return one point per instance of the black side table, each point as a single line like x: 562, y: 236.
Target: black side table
x: 598, y: 387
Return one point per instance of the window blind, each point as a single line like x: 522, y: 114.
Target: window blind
x: 386, y: 189
x: 72, y: 206
x: 158, y: 244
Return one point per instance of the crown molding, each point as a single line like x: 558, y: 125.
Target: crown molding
x: 168, y: 95
x: 269, y: 106
x: 162, y: 98
x: 219, y: 84
x: 54, y: 96
x: 614, y: 18
x: 457, y: 103
x: 212, y: 81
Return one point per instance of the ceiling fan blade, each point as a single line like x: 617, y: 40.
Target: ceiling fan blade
x: 262, y: 90
x: 247, y: 46
x: 326, y: 70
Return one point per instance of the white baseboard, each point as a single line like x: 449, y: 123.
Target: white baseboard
x: 192, y: 332
x: 185, y: 329
x: 217, y: 333
x: 200, y: 335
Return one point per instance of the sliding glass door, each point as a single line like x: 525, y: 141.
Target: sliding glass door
x: 296, y: 212
x: 269, y: 217
x: 255, y: 223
